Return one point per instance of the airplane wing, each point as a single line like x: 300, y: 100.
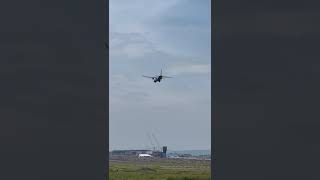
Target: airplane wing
x: 166, y: 77
x: 148, y: 77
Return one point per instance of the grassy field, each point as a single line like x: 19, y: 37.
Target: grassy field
x: 159, y: 171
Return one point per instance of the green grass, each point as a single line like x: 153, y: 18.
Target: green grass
x: 152, y: 171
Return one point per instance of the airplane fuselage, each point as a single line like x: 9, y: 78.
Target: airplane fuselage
x: 157, y: 79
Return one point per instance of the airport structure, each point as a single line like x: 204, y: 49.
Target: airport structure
x: 130, y: 152
x: 159, y: 154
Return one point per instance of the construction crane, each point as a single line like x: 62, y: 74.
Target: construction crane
x: 158, y: 144
x: 151, y: 142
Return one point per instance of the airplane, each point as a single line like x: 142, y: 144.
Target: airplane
x: 144, y: 155
x: 157, y: 78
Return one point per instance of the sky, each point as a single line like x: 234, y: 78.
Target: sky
x: 145, y: 37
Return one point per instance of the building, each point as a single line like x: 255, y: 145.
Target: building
x: 159, y: 154
x: 130, y: 152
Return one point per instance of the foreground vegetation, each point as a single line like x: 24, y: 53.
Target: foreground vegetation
x: 158, y: 171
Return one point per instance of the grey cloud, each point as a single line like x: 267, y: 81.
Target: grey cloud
x: 190, y: 69
x: 135, y: 46
x: 186, y: 13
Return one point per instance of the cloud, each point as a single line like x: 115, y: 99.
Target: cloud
x: 185, y: 14
x: 175, y: 26
x: 130, y: 45
x: 135, y: 46
x: 190, y: 69
x: 128, y: 15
